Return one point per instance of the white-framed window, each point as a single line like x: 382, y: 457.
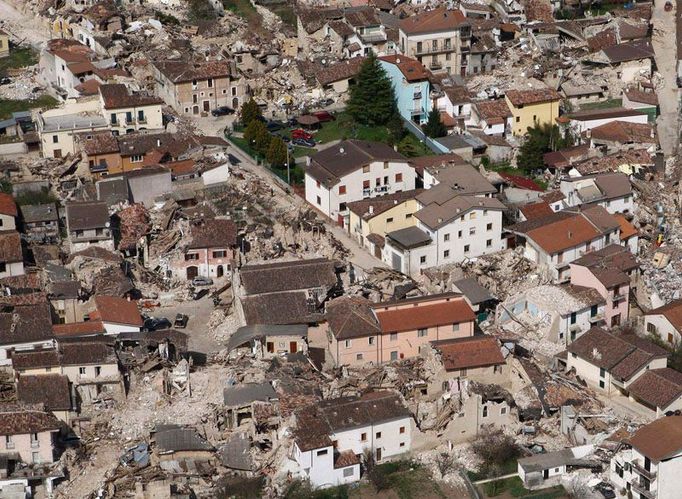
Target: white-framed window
x: 347, y: 343
x: 422, y: 332
x: 136, y: 158
x: 370, y: 340
x: 455, y: 327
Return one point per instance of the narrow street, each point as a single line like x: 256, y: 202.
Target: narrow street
x: 664, y: 41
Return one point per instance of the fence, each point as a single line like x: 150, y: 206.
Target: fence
x: 430, y: 143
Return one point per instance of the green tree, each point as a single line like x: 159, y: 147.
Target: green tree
x: 258, y: 137
x: 434, y: 127
x: 409, y: 146
x: 539, y: 140
x: 277, y: 152
x: 372, y: 99
x: 249, y: 112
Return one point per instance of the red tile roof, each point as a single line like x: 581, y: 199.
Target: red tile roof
x: 521, y: 182
x: 7, y: 205
x: 536, y: 210
x: 467, y: 353
x: 440, y: 19
x: 627, y: 230
x: 117, y: 310
x: 412, y: 69
x: 671, y: 311
x: 78, y: 328
x: 423, y: 315
x: 660, y: 439
x: 534, y: 96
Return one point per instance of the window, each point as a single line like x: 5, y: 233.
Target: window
x: 98, y: 370
x: 140, y: 116
x: 365, y: 169
x: 342, y: 207
x: 455, y: 327
x: 365, y: 184
x: 419, y: 46
x: 560, y: 257
x: 359, y: 356
x: 393, y: 337
x: 485, y: 213
x: 574, y: 318
x: 342, y: 189
x: 55, y: 139
x: 370, y: 340
x: 398, y: 177
x: 377, y: 182
x: 8, y: 442
x: 472, y: 215
x: 234, y: 91
x: 3, y: 267
x: 463, y: 373
x: 322, y: 452
x: 518, y: 119
x: 485, y: 411
x: 348, y: 472
x: 402, y: 444
x: 317, y: 182
x: 224, y: 91
x: 363, y: 437
x: 136, y: 158
x: 81, y: 371
x: 488, y: 243
x: 408, y: 215
x: 422, y: 260
x: 347, y: 343
x: 191, y: 256
x: 503, y: 411
x: 446, y: 254
x: 194, y: 83
x: 472, y: 231
x: 114, y: 119
x: 219, y: 254
x: 402, y: 430
x: 34, y: 440
x: 446, y: 237
x: 394, y: 355
x: 489, y: 227
x: 378, y: 434
x: 466, y: 248
x: 670, y: 337
x: 601, y: 383
x: 389, y: 220
x: 593, y: 310
x: 319, y: 201
x: 129, y: 117
x: 459, y: 234
x: 498, y: 369
x: 385, y: 165
x: 574, y: 356
x: 422, y: 332
x: 602, y: 372
x: 209, y: 83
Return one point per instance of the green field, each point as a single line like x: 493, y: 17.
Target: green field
x: 7, y: 107
x: 19, y: 57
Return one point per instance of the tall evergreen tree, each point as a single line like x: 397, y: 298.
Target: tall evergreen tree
x: 249, y: 112
x: 277, y: 153
x: 372, y: 99
x: 539, y: 140
x: 434, y: 127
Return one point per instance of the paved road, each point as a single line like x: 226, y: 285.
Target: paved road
x: 23, y: 26
x: 664, y: 41
x: 360, y: 258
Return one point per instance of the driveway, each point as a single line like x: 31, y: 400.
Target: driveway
x: 201, y: 338
x: 664, y: 41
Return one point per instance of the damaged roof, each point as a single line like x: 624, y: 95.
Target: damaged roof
x: 247, y: 393
x: 10, y: 247
x: 351, y: 317
x: 625, y: 132
x: 469, y: 353
x: 173, y: 438
x: 7, y: 205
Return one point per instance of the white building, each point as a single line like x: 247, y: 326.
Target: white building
x: 332, y: 436
x: 665, y: 322
x: 458, y: 218
x: 582, y: 121
x: 612, y: 191
x: 651, y: 465
x: 118, y: 315
x: 354, y: 170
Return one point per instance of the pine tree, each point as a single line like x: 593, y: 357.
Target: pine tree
x: 249, y: 112
x: 277, y: 153
x: 258, y: 137
x: 434, y: 127
x: 540, y: 140
x: 372, y: 98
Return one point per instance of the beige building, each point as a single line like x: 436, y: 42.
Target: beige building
x: 199, y: 88
x: 359, y: 332
x: 4, y: 44
x: 440, y: 39
x: 371, y: 219
x: 129, y: 112
x: 28, y: 433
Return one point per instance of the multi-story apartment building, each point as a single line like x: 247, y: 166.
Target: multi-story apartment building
x: 440, y: 39
x: 411, y: 86
x: 129, y: 112
x: 354, y: 170
x: 199, y: 87
x: 650, y: 465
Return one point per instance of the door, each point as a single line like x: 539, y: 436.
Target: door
x: 57, y: 153
x: 195, y: 109
x: 235, y: 103
x: 379, y: 454
x: 207, y: 106
x: 377, y: 251
x: 270, y: 346
x: 293, y: 347
x: 220, y: 271
x: 545, y: 474
x: 192, y: 272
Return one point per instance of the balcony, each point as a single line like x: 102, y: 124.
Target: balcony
x: 142, y: 121
x: 417, y: 96
x: 642, y: 491
x: 619, y: 297
x: 417, y: 111
x: 639, y: 469
x: 438, y: 49
x: 597, y: 318
x: 366, y: 192
x: 436, y: 65
x: 375, y: 37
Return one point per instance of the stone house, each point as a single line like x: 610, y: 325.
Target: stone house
x: 270, y: 340
x: 41, y: 221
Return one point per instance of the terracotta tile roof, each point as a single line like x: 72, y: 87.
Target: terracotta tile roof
x: 538, y: 10
x: 86, y: 328
x: 660, y: 439
x: 605, y: 38
x: 534, y: 96
x: 342, y: 70
x: 521, y: 182
x: 440, y: 19
x: 458, y: 94
x: 92, y: 143
x: 351, y: 317
x: 345, y: 459
x: 362, y: 17
x: 86, y: 353
x: 613, y: 162
x: 636, y: 95
x: 314, y: 19
x: 180, y: 72
x: 370, y: 208
x: 627, y: 230
x: 88, y: 87
x: 412, y: 69
x: 51, y: 390
x: 625, y: 132
x: 213, y: 233
x: 117, y: 95
x: 563, y: 234
x: 629, y: 51
x: 536, y: 210
x: 34, y: 359
x: 10, y: 247
x: 658, y: 387
x: 610, y: 265
x: 489, y: 109
x: 553, y: 196
x: 21, y: 422
x: 468, y: 353
x: 438, y: 162
x: 671, y: 311
x: 173, y: 144
x: 424, y: 315
x: 7, y: 205
x: 117, y: 311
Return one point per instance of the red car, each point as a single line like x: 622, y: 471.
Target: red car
x: 324, y: 116
x: 299, y: 133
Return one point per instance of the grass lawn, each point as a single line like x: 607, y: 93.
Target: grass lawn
x: 602, y: 105
x: 344, y: 127
x: 286, y: 13
x: 508, y: 467
x: 513, y: 487
x: 19, y: 57
x: 7, y: 107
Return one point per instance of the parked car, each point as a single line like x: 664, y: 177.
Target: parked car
x: 181, y: 321
x: 202, y: 281
x: 274, y: 126
x: 222, y: 111
x: 324, y: 116
x: 5, y: 81
x: 156, y: 323
x: 304, y: 142
x: 234, y: 160
x: 299, y: 133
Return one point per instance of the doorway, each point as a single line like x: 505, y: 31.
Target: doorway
x: 378, y: 454
x: 293, y: 347
x: 192, y: 272
x: 219, y: 271
x: 207, y: 106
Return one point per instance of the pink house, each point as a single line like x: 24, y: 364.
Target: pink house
x: 29, y: 433
x: 610, y: 271
x: 210, y: 252
x: 360, y: 332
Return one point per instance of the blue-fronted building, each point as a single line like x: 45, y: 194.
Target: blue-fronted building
x: 411, y: 83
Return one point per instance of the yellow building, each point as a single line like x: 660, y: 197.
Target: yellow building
x: 532, y: 107
x: 371, y: 219
x: 4, y: 44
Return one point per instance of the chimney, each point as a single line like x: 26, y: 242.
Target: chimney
x: 371, y: 209
x: 440, y: 220
x: 652, y: 134
x: 397, y: 60
x: 341, y: 150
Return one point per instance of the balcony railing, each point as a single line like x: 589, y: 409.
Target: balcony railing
x: 417, y: 111
x: 436, y: 65
x: 639, y: 469
x: 619, y: 297
x: 596, y: 318
x: 438, y: 49
x: 373, y: 37
x: 642, y: 491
